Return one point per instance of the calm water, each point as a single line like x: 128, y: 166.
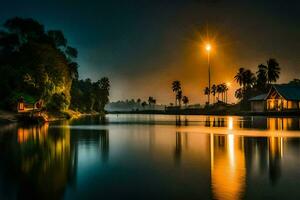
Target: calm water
x: 152, y: 157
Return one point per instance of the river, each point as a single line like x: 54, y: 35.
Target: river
x: 152, y: 157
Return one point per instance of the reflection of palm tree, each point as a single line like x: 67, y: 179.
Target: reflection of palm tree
x: 104, y: 144
x: 178, y: 120
x: 178, y: 148
x: 207, y: 121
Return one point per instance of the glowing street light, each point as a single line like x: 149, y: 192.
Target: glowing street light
x: 208, y: 49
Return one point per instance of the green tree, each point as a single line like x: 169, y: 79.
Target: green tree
x: 35, y: 62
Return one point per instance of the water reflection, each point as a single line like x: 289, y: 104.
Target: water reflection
x: 228, y: 172
x: 76, y: 160
x: 39, y: 163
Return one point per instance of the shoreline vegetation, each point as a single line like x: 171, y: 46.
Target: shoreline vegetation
x: 39, y: 76
x: 205, y: 112
x: 40, y: 82
x: 7, y: 117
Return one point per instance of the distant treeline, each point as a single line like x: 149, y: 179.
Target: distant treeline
x: 134, y: 105
x: 40, y: 65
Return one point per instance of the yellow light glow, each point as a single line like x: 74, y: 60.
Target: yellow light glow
x: 208, y: 47
x: 228, y: 84
x: 230, y: 123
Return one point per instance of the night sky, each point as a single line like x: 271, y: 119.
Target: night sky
x: 142, y: 46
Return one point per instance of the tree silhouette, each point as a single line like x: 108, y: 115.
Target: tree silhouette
x: 214, y: 91
x: 36, y: 63
x: 185, y: 100
x: 239, y: 77
x: 207, y: 92
x: 179, y: 97
x: 219, y: 91
x: 273, y: 70
x: 239, y: 93
x: 144, y: 104
x: 151, y: 101
x: 261, y: 76
x: 176, y: 87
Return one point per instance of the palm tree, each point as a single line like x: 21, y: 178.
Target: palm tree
x: 225, y: 91
x: 219, y: 91
x: 273, y: 70
x: 246, y: 79
x: 144, y: 103
x: 239, y: 77
x: 176, y: 87
x: 185, y: 100
x: 179, y: 97
x: 249, y: 78
x: 214, y: 91
x: 239, y: 93
x: 261, y: 76
x: 207, y: 92
x: 150, y: 101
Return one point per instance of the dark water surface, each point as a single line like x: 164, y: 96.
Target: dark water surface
x: 152, y: 157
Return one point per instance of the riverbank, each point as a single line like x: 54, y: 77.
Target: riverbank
x: 209, y: 112
x: 7, y: 117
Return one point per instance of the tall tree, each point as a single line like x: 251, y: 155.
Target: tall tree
x: 214, y: 91
x: 273, y: 70
x: 35, y: 63
x: 219, y: 91
x: 261, y: 75
x: 179, y: 97
x: 185, y: 100
x: 144, y: 104
x: 176, y: 87
x: 207, y: 92
x: 239, y: 77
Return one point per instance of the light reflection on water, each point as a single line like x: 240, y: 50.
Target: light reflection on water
x: 151, y: 157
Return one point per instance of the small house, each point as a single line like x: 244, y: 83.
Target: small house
x: 283, y: 97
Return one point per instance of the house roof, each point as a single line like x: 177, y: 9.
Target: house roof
x: 288, y: 91
x: 259, y: 97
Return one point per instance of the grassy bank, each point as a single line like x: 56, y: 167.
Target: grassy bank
x: 45, y: 116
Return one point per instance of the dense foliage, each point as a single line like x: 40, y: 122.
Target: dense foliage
x: 252, y: 84
x: 39, y: 65
x: 90, y: 96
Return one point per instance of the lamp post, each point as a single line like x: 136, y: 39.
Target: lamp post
x: 208, y: 49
